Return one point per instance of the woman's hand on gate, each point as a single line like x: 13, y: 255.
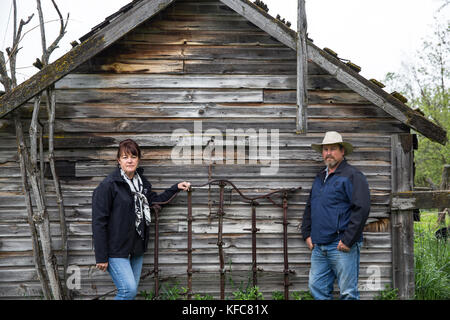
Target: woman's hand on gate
x: 184, y: 185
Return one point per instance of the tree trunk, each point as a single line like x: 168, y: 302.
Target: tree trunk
x: 51, y: 108
x: 25, y: 187
x: 40, y: 216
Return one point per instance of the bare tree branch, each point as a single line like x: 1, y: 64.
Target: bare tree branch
x: 46, y: 52
x: 15, y: 49
x: 5, y: 79
x: 42, y: 27
x: 15, y: 19
x: 62, y: 32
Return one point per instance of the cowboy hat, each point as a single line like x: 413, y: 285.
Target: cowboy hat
x: 333, y: 137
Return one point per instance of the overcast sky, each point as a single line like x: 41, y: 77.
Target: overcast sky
x: 376, y: 35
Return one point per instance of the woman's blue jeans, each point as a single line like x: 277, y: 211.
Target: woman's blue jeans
x: 329, y: 264
x: 126, y: 273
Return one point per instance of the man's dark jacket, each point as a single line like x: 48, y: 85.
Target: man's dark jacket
x: 113, y: 215
x: 337, y: 209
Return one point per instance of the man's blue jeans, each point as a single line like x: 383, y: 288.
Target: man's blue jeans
x: 328, y: 264
x: 126, y: 273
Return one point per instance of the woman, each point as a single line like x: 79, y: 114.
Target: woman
x: 121, y: 219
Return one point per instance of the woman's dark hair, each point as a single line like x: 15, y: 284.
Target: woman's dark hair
x: 129, y: 146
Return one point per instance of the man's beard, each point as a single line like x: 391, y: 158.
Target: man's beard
x: 330, y: 162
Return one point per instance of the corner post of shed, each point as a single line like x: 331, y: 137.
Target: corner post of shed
x: 302, y: 69
x: 402, y: 220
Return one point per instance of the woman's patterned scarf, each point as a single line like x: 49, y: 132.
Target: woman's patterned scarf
x: 141, y: 206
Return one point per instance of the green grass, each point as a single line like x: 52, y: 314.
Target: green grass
x: 431, y: 259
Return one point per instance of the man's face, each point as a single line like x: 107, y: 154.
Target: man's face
x: 332, y: 155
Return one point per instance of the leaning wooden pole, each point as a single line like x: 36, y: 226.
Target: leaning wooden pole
x: 51, y: 109
x: 41, y: 220
x: 220, y: 241
x: 254, y: 231
x: 156, y: 252
x: 37, y: 256
x: 189, y: 244
x: 302, y: 70
x: 285, y: 247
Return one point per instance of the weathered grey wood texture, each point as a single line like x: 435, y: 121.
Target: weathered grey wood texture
x: 410, y: 200
x: 197, y: 61
x: 402, y: 231
x: 302, y: 68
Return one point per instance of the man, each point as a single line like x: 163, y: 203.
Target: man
x: 333, y: 221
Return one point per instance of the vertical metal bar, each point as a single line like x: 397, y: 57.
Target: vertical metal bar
x: 254, y: 230
x: 285, y: 246
x: 156, y: 252
x: 189, y: 245
x: 220, y: 241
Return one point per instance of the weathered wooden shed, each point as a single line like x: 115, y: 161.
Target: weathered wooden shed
x: 160, y: 71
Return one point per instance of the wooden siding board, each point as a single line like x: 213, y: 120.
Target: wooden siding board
x: 127, y: 126
x: 91, y: 140
x: 138, y: 81
x: 284, y: 125
x: 86, y: 82
x: 159, y: 95
x: 161, y: 155
x: 199, y: 111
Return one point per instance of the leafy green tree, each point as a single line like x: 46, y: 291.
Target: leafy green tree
x: 425, y: 84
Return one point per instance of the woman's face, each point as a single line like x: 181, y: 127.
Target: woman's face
x: 128, y: 163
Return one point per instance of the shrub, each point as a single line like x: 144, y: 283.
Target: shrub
x: 277, y: 295
x: 387, y: 294
x: 302, y: 295
x: 250, y: 293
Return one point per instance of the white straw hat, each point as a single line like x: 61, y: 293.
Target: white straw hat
x: 333, y: 137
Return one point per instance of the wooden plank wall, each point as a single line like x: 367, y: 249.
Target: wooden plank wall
x: 196, y: 61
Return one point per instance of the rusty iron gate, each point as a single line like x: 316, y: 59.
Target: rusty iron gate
x: 157, y: 206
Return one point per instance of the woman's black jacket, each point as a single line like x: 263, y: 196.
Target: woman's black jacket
x: 113, y: 215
